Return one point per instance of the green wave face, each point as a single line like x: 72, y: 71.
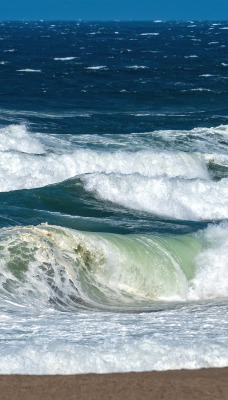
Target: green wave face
x: 48, y: 264
x: 148, y: 267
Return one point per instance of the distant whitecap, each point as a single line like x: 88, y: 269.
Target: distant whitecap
x: 98, y: 67
x: 150, y: 34
x: 206, y: 75
x: 64, y: 58
x: 137, y: 67
x: 28, y: 70
x: 191, y: 56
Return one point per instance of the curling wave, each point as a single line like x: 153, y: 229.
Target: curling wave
x: 53, y: 266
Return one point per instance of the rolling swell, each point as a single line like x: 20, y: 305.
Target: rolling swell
x: 49, y: 266
x: 184, y: 185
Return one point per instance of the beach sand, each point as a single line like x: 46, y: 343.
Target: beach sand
x: 179, y: 385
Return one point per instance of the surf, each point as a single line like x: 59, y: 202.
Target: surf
x: 195, y: 184
x: 50, y: 266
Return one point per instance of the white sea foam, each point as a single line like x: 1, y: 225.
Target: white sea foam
x: 200, y: 90
x: 174, y: 198
x: 64, y: 58
x: 211, y: 279
x: 20, y: 170
x: 28, y: 70
x: 173, y: 184
x: 17, y: 138
x: 136, y: 67
x: 212, y: 134
x: 98, y: 67
x: 150, y: 34
x: 219, y: 159
x: 110, y: 355
x: 30, y: 171
x: 191, y: 56
x: 206, y: 75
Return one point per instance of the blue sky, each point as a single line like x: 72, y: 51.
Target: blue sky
x: 114, y: 9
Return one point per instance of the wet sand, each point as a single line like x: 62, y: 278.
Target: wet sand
x: 179, y: 385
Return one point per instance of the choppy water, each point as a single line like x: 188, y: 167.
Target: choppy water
x: 114, y: 196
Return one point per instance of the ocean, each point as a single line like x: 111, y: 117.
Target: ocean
x: 114, y: 196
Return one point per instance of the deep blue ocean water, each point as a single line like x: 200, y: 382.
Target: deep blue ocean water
x: 113, y: 195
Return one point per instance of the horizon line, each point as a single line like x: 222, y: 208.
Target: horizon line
x: 111, y: 20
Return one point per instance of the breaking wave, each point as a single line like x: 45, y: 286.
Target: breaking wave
x: 49, y: 266
x: 174, y: 184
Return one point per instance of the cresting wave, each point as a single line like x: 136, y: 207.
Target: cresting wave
x: 170, y: 184
x: 49, y: 266
x: 34, y: 165
x: 182, y: 199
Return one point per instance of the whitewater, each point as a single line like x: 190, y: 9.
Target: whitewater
x: 114, y: 197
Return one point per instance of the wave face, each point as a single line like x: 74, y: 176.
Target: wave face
x: 51, y: 265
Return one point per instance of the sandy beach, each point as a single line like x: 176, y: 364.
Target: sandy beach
x: 179, y: 385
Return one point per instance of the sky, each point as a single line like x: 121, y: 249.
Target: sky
x: 114, y: 9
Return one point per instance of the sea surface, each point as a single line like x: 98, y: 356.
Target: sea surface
x: 113, y: 196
